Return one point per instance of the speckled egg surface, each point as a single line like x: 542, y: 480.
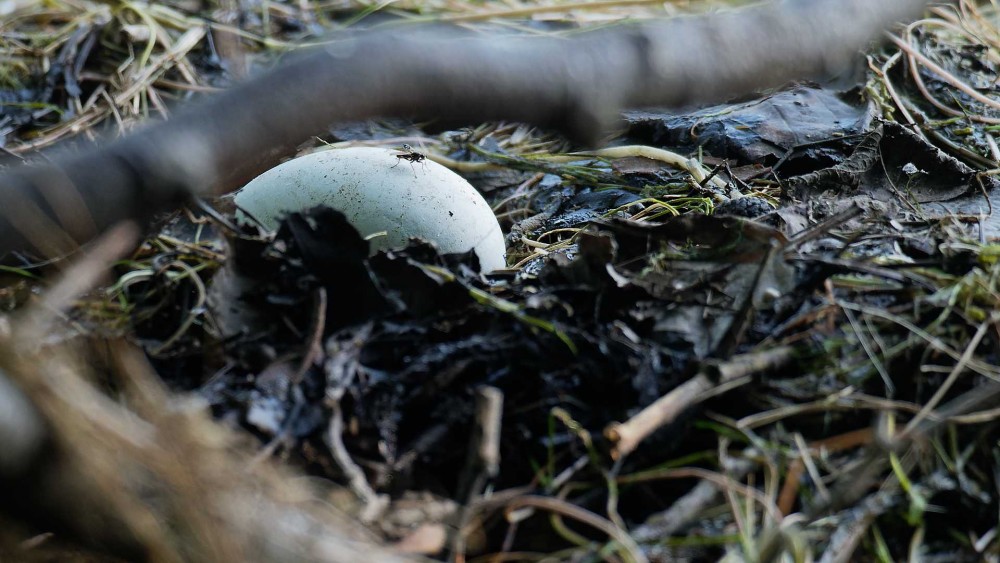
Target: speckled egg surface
x: 377, y: 191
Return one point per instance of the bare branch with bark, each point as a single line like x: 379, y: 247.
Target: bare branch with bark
x: 577, y: 85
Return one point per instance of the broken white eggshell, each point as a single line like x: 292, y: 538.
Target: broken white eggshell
x: 379, y: 192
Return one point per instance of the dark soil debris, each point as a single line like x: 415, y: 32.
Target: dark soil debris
x: 759, y: 330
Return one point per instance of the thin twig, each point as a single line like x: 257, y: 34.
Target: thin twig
x: 627, y: 436
x: 630, y: 551
x: 313, y: 348
x: 375, y: 504
x: 483, y: 462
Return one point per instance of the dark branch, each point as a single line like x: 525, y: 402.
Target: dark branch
x: 577, y: 85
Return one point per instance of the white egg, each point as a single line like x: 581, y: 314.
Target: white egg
x: 381, y: 193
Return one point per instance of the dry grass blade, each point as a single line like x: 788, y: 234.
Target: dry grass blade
x: 951, y: 79
x: 952, y: 376
x: 629, y: 550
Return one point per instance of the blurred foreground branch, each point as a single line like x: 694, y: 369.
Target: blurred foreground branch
x: 577, y: 85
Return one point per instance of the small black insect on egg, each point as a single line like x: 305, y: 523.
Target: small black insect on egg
x: 407, y: 153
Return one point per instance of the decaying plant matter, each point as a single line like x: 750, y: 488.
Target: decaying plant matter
x: 91, y: 442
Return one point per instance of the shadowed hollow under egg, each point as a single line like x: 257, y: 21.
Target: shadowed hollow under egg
x: 379, y: 192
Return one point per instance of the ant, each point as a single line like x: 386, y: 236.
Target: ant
x: 407, y: 153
